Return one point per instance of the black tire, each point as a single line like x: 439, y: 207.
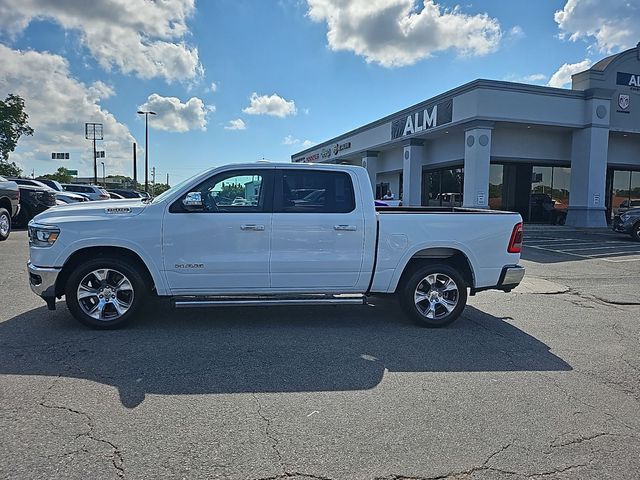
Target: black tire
x: 22, y: 219
x: 418, y: 311
x: 635, y: 232
x: 111, y: 319
x: 5, y: 223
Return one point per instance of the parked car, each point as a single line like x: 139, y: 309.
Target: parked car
x: 627, y: 205
x: 125, y: 193
x: 628, y: 222
x: 9, y: 205
x: 187, y: 247
x: 94, y: 192
x: 69, y: 197
x: 115, y: 196
x: 61, y: 195
x: 35, y: 198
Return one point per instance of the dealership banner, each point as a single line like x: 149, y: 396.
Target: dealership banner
x: 422, y: 119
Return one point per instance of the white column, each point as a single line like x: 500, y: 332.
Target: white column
x: 412, y: 157
x: 589, y: 152
x: 477, y: 158
x: 370, y: 162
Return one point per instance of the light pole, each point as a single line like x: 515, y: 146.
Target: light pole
x: 104, y: 180
x: 146, y: 147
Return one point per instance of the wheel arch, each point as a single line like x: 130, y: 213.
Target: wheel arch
x: 79, y: 256
x: 452, y: 256
x: 6, y: 204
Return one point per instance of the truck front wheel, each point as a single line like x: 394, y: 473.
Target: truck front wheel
x: 5, y: 224
x: 105, y: 293
x: 434, y: 295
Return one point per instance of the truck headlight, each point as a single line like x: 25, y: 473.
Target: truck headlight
x: 43, y: 235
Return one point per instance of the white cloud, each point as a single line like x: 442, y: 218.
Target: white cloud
x: 135, y: 36
x: 213, y: 88
x: 532, y: 78
x: 175, y: 116
x: 614, y: 24
x: 290, y: 140
x: 273, y: 105
x: 400, y: 32
x: 535, y: 77
x: 562, y: 77
x: 58, y: 106
x: 237, y: 124
x: 516, y: 32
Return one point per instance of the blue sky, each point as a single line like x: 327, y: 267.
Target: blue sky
x: 317, y: 68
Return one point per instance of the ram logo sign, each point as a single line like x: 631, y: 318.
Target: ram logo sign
x: 623, y: 101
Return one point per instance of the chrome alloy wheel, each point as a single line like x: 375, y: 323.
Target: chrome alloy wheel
x: 436, y: 296
x: 4, y: 225
x: 105, y: 294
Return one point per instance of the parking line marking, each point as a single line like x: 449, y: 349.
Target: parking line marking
x: 624, y: 260
x: 603, y: 256
x: 609, y: 246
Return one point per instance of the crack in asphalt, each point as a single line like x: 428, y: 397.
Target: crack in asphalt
x: 294, y: 474
x: 579, y: 440
x: 582, y: 402
x: 270, y: 436
x: 116, y: 455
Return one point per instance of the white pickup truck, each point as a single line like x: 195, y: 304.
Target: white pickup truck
x: 269, y: 234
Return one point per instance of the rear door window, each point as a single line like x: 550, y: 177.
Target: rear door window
x: 314, y: 191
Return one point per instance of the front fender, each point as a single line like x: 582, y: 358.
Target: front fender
x: 146, y: 257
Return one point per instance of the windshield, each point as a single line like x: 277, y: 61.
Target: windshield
x: 173, y: 189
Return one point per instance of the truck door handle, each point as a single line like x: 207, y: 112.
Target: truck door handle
x: 343, y: 228
x: 256, y: 228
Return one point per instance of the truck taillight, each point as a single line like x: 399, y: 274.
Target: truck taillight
x: 515, y: 243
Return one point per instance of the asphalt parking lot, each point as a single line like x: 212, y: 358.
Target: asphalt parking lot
x: 540, y: 383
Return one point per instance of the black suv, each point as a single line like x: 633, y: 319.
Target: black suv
x: 33, y: 200
x: 9, y: 206
x: 628, y: 222
x: 125, y: 193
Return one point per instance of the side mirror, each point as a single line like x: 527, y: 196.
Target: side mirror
x: 193, y: 202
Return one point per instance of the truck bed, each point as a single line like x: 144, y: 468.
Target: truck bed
x: 398, y: 210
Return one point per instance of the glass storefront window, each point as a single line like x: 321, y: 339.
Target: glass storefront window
x: 540, y: 200
x: 443, y: 188
x: 539, y: 193
x: 625, y: 191
x: 561, y: 187
x: 495, y: 186
x: 621, y: 190
x: 635, y: 186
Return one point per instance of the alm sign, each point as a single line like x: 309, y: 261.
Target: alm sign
x: 422, y: 119
x: 628, y: 79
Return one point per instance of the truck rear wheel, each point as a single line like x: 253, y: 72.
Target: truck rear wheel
x: 105, y: 293
x: 434, y: 295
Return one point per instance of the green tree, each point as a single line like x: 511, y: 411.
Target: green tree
x: 160, y: 188
x: 231, y: 190
x: 61, y: 175
x: 13, y: 124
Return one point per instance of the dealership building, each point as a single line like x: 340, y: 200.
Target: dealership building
x: 554, y: 155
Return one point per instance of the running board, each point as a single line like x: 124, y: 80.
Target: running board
x: 262, y: 300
